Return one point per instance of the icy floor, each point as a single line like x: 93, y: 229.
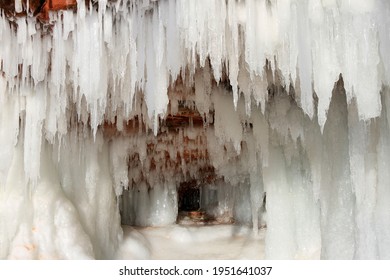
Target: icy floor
x: 191, y: 242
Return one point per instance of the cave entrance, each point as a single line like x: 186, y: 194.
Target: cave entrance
x: 189, y: 197
x: 189, y: 204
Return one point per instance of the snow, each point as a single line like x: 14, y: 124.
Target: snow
x: 294, y: 97
x: 191, y: 243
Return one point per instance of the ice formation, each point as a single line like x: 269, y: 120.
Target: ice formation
x: 293, y: 97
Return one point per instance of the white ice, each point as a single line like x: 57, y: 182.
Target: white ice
x: 295, y: 102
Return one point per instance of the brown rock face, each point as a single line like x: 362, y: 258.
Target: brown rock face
x: 8, y: 6
x: 55, y: 5
x: 39, y: 8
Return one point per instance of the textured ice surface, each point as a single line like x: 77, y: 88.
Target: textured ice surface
x: 295, y: 102
x: 186, y: 243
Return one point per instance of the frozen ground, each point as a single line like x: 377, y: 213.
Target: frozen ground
x: 209, y: 242
x: 191, y: 242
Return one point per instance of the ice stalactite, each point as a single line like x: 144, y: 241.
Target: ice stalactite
x: 292, y: 209
x: 130, y: 46
x: 337, y: 201
x: 39, y: 222
x: 69, y: 213
x: 380, y: 225
x: 287, y: 103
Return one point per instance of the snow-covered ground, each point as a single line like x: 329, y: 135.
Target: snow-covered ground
x: 191, y: 242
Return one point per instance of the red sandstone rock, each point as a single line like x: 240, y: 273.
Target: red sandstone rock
x: 55, y: 5
x: 39, y: 8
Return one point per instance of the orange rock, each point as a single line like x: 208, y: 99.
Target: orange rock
x: 55, y: 5
x: 39, y: 8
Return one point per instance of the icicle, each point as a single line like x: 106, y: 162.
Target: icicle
x: 227, y: 124
x: 18, y: 6
x: 337, y: 200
